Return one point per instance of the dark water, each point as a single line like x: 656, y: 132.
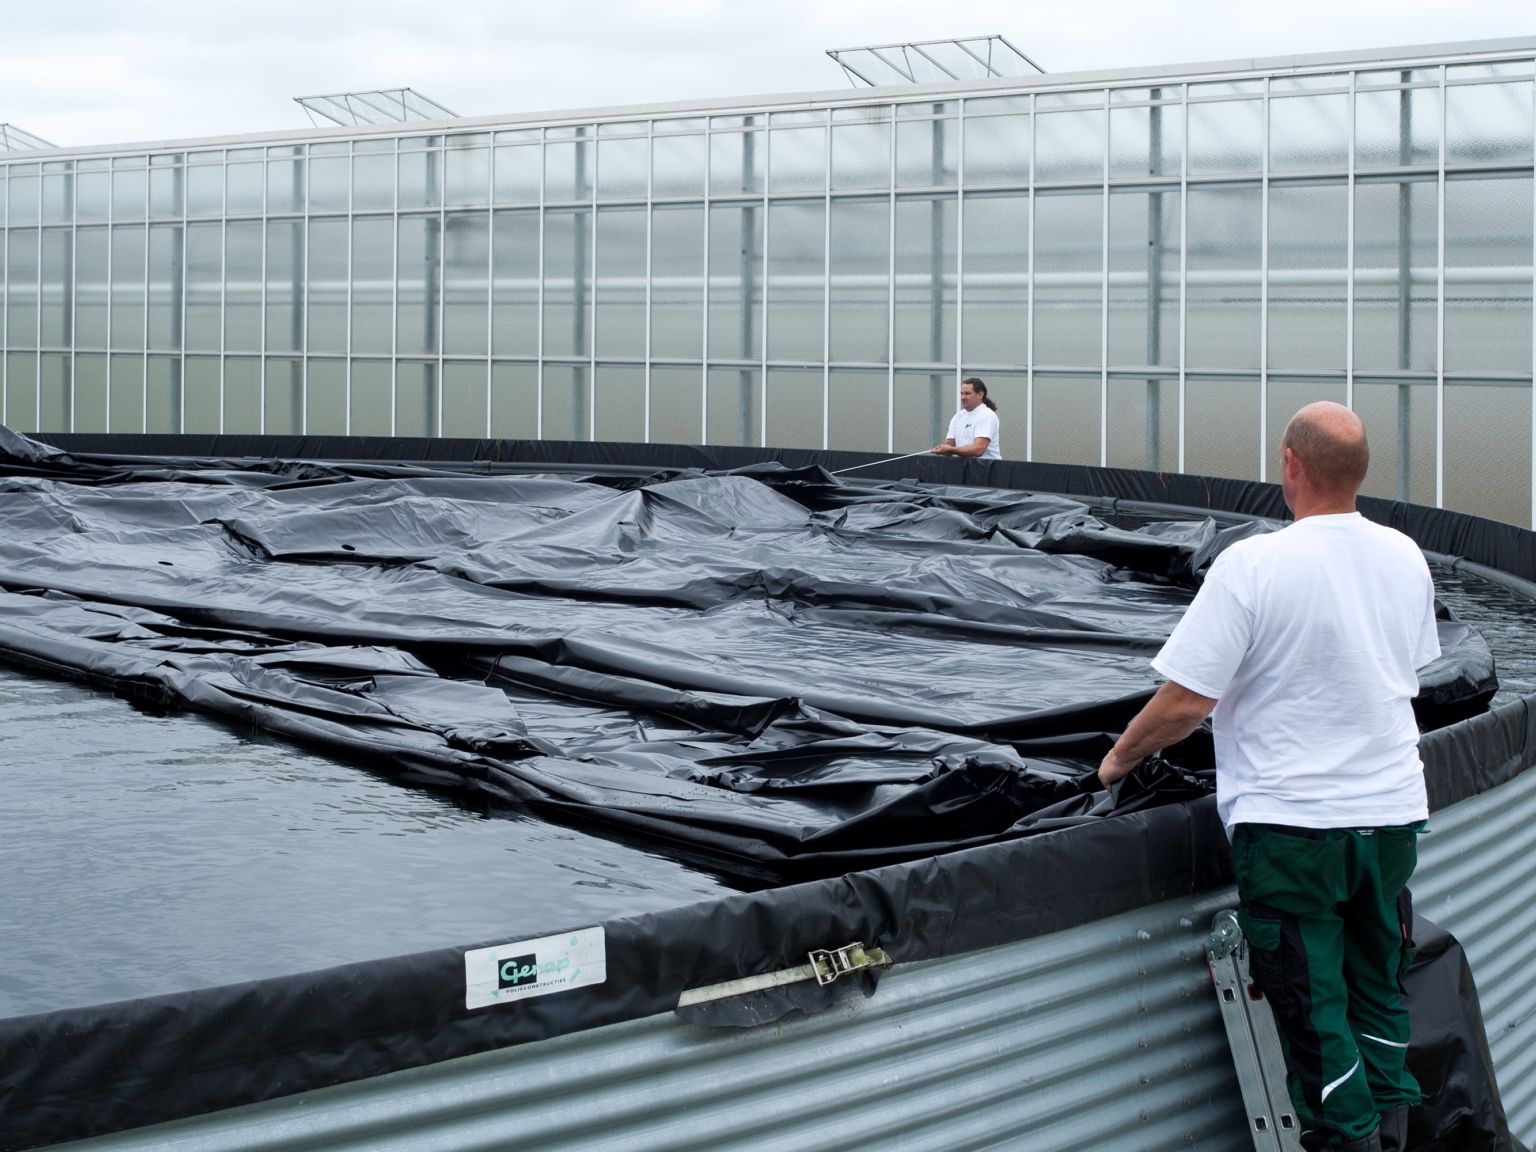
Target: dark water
x: 1506, y: 619
x: 143, y: 854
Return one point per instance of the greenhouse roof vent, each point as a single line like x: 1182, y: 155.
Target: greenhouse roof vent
x: 14, y: 139
x: 934, y: 61
x: 383, y: 106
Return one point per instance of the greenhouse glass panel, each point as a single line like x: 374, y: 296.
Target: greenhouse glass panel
x: 465, y: 398
x: 677, y: 166
x: 1488, y: 449
x: 93, y: 195
x: 921, y: 405
x: 567, y: 404
x: 1221, y: 427
x: 1308, y: 251
x: 373, y: 287
x: 53, y: 413
x: 285, y: 186
x: 515, y: 284
x: 21, y: 288
x: 90, y: 405
x: 794, y: 404
x: 328, y: 183
x: 1225, y: 137
x: 128, y: 255
x: 1143, y: 424
x: 1488, y: 124
x: 466, y: 178
x: 515, y: 401
x: 285, y: 285
x: 373, y: 181
x: 927, y: 151
x: 1145, y: 141
x: 418, y: 285
x: 202, y: 395
x: 861, y: 148
x: 57, y: 194
x: 518, y: 173
x: 242, y: 395
x: 620, y: 284
x: 1223, y: 260
x: 242, y: 189
x: 242, y: 289
x: 568, y: 169
x: 677, y: 287
x: 1143, y: 278
x: 1069, y: 145
x: 619, y: 399
x: 165, y: 193
x: 125, y: 395
x: 283, y: 397
x: 621, y: 168
x: 734, y: 407
x: 421, y: 177
x: 1396, y: 274
x: 205, y: 190
x: 1066, y: 419
x: 567, y: 286
x: 1397, y: 128
x: 90, y: 279
x: 858, y: 411
x: 926, y: 262
x: 996, y: 150
x: 677, y: 405
x: 326, y: 291
x: 57, y: 259
x: 1488, y: 275
x: 466, y: 283
x: 20, y: 396
x: 736, y: 161
x: 325, y: 398
x: 860, y: 280
x: 796, y: 284
x: 372, y: 402
x: 416, y: 398
x: 1309, y: 133
x: 204, y: 288
x: 166, y: 257
x: 1400, y: 425
x: 130, y: 189
x: 997, y: 279
x: 735, y: 281
x: 798, y: 161
x: 1069, y: 288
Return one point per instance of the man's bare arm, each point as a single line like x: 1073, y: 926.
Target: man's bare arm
x: 1172, y: 714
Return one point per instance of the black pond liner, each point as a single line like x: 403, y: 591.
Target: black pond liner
x: 921, y: 807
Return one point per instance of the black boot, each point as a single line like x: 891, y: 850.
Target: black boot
x: 1394, y: 1129
x: 1371, y: 1143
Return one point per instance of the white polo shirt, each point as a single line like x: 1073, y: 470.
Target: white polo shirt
x: 1310, y: 639
x: 966, y: 427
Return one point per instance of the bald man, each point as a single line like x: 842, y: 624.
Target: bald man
x: 1305, y: 643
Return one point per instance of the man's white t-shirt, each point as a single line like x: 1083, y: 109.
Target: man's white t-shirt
x: 966, y: 427
x: 1309, y: 639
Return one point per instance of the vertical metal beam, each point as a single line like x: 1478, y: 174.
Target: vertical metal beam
x: 1183, y: 265
x: 543, y: 224
x: 1533, y: 331
x: 351, y: 227
x: 826, y: 285
x: 1155, y: 248
x: 890, y: 261
x: 261, y: 328
x: 179, y: 340
x: 394, y: 301
x: 1029, y: 299
x: 583, y: 259
x: 1104, y: 296
x: 1404, y: 291
x: 1440, y: 314
x: 650, y: 212
x: 1264, y: 298
x: 936, y: 272
x: 591, y: 393
x: 960, y: 252
x: 490, y: 276
x: 705, y: 301
x: 1349, y: 252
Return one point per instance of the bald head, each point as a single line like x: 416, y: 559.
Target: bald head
x: 1329, y: 442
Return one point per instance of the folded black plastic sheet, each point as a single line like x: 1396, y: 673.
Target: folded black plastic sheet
x: 550, y: 693
x: 1461, y: 1110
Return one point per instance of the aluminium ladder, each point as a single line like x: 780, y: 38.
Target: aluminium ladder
x: 1254, y: 1040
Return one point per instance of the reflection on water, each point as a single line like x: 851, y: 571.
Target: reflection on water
x: 142, y: 854
x: 1506, y: 619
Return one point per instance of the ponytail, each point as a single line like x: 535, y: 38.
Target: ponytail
x: 978, y: 386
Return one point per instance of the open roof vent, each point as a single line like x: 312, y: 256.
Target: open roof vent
x: 13, y: 139
x: 384, y: 106
x: 934, y: 61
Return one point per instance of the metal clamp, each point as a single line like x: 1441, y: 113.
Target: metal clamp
x: 830, y: 964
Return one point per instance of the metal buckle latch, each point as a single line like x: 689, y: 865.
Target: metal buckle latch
x: 829, y: 964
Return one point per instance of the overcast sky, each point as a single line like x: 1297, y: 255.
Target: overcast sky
x: 98, y: 72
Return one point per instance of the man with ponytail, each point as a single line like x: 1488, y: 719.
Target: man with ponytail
x: 973, y: 431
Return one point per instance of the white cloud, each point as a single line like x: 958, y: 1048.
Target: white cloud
x: 96, y: 72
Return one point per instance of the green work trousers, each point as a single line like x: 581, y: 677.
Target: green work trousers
x: 1329, y: 925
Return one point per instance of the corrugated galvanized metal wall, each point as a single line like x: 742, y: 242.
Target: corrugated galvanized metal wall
x: 1105, y: 1037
